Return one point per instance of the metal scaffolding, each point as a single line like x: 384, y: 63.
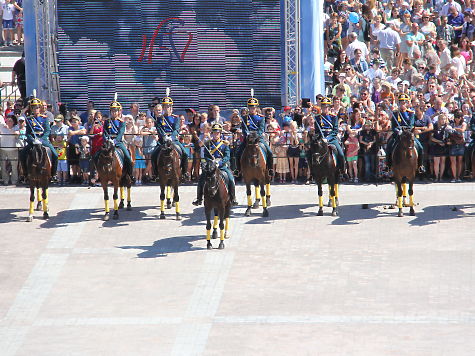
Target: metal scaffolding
x: 46, y: 50
x: 292, y: 51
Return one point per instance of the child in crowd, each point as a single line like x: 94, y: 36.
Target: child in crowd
x: 60, y: 144
x: 189, y: 151
x: 352, y: 147
x: 140, y: 163
x: 84, y: 152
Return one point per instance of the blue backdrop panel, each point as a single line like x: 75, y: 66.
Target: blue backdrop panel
x: 206, y: 51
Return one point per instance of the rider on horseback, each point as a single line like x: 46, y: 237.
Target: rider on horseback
x: 327, y: 125
x: 114, y: 129
x: 168, y: 125
x: 38, y: 131
x: 403, y: 118
x: 217, y: 149
x: 254, y: 122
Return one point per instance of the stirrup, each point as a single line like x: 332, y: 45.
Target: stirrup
x: 197, y: 202
x: 236, y: 173
x: 234, y: 202
x: 271, y: 172
x: 421, y: 169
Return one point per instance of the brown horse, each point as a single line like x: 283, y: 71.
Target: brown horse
x: 216, y: 197
x: 109, y: 169
x: 38, y: 170
x: 323, y: 165
x: 254, y: 171
x: 404, y: 169
x: 169, y: 174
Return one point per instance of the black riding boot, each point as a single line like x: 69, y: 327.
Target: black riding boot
x: 232, y: 194
x: 184, y: 168
x: 420, y: 164
x: 199, y: 193
x: 54, y: 166
x: 270, y: 164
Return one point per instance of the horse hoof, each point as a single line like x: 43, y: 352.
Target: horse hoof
x: 29, y: 218
x: 169, y: 205
x: 162, y: 216
x: 329, y: 204
x: 39, y: 207
x: 173, y: 204
x: 178, y: 217
x: 121, y: 205
x: 45, y: 216
x: 256, y: 204
x: 106, y: 217
x: 337, y: 202
x: 248, y: 212
x: 215, y: 235
x: 209, y: 246
x: 268, y: 201
x: 265, y: 213
x: 129, y: 207
x: 227, y: 236
x: 400, y: 214
x: 334, y: 213
x: 391, y: 207
x: 116, y: 215
x: 221, y: 246
x: 412, y: 212
x: 320, y: 212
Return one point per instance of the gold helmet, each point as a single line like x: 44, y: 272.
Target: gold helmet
x: 115, y: 104
x: 252, y: 101
x: 326, y: 101
x: 167, y: 100
x: 217, y: 127
x: 35, y: 101
x: 404, y: 97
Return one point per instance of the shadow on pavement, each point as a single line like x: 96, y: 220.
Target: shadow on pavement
x: 434, y: 214
x: 10, y: 215
x: 163, y: 247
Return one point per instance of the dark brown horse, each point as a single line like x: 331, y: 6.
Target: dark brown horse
x: 404, y: 169
x: 109, y: 169
x: 323, y: 166
x: 169, y: 174
x: 254, y: 171
x: 38, y: 167
x: 216, y: 197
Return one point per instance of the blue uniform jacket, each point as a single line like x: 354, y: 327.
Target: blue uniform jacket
x: 328, y: 124
x: 253, y: 123
x: 37, y: 127
x: 114, y: 128
x: 402, y: 119
x: 218, y: 150
x: 168, y: 125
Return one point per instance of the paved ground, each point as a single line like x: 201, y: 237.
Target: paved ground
x: 364, y: 283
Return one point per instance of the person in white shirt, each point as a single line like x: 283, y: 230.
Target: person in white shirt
x: 8, y: 148
x: 355, y: 44
x: 374, y: 71
x: 444, y: 55
x: 389, y: 44
x: 8, y: 10
x: 446, y: 8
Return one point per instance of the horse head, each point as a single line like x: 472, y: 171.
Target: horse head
x: 166, y: 158
x: 37, y: 157
x: 406, y: 141
x: 252, y: 145
x: 211, y: 174
x: 318, y: 147
x: 106, y: 152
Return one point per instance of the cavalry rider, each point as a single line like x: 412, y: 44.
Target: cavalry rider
x: 114, y: 129
x: 169, y: 125
x: 404, y: 118
x: 327, y: 124
x: 254, y: 122
x: 469, y: 149
x: 217, y: 149
x: 37, y: 129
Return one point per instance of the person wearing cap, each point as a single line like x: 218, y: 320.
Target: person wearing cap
x: 38, y: 129
x: 257, y: 123
x: 286, y: 116
x: 114, y: 129
x: 328, y: 127
x: 168, y: 125
x: 59, y: 128
x: 217, y: 150
x: 404, y: 118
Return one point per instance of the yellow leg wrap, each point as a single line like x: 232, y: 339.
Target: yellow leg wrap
x: 264, y: 202
x: 177, y: 207
x: 404, y: 190
x: 106, y: 205
x: 411, y: 200
x: 128, y: 195
x: 221, y: 235
x: 116, y: 204
x: 169, y: 192
x: 208, y: 235
x: 162, y: 205
x: 45, y: 205
x: 336, y: 190
x: 258, y: 193
x: 333, y: 201
x: 215, y: 222
x: 249, y: 200
x: 32, y: 207
x: 38, y: 194
x: 268, y: 189
x: 226, y: 225
x: 399, y: 202
x: 122, y: 193
x: 320, y: 201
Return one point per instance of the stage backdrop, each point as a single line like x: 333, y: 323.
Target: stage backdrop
x: 206, y: 51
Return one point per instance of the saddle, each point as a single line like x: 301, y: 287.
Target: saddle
x: 225, y: 178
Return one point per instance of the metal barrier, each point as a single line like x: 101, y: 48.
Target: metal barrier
x: 9, y: 92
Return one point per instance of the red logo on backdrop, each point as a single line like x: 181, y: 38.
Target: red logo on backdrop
x: 165, y: 35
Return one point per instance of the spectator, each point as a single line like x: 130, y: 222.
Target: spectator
x: 352, y: 148
x: 438, y: 147
x: 140, y: 164
x: 189, y: 147
x: 134, y: 110
x: 9, y: 133
x: 85, y: 115
x: 18, y: 20
x: 389, y: 44
x: 150, y: 139
x: 457, y: 145
x: 333, y: 36
x: 74, y: 132
x: 354, y: 45
x: 286, y: 116
x: 282, y: 162
x: 83, y: 150
x: 18, y: 75
x: 214, y: 116
x: 367, y: 139
x: 293, y: 151
x: 8, y: 11
x: 456, y: 20
x: 358, y: 63
x: 60, y: 145
x: 45, y: 111
x: 445, y: 31
x: 414, y: 41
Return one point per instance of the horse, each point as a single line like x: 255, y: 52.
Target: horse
x: 110, y: 169
x: 404, y: 169
x: 38, y: 171
x: 323, y: 165
x: 216, y: 196
x: 254, y: 171
x: 169, y: 175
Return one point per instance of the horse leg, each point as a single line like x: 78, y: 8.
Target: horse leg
x: 258, y: 197
x: 115, y: 196
x: 399, y: 198
x: 106, y: 200
x: 268, y: 194
x: 208, y: 228
x: 162, y: 200
x: 221, y: 230
x: 129, y: 200
x: 169, y: 194
x: 176, y: 201
x: 404, y: 194
x: 39, y: 199
x: 45, y: 203
x: 215, y: 224
x: 249, y: 200
x: 320, y: 198
x: 226, y: 224
x: 265, y: 212
x: 331, y: 187
x: 122, y: 198
x: 32, y: 204
x: 329, y: 204
x: 411, y: 199
x: 337, y: 193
